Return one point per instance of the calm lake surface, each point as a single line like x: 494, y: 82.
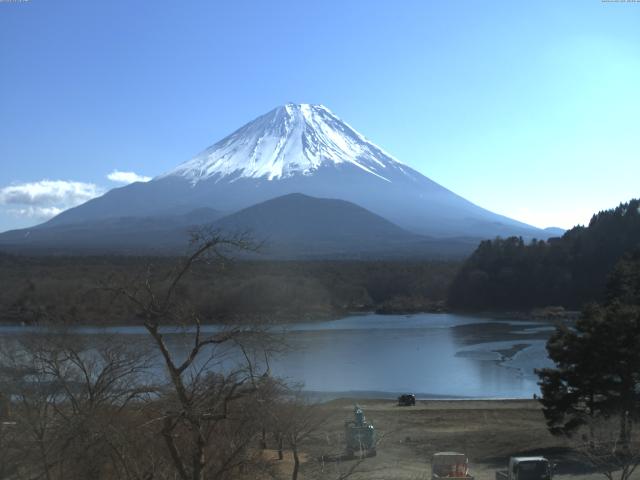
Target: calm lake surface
x: 431, y: 355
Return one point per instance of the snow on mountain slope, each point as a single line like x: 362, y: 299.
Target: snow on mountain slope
x: 289, y: 140
x: 301, y: 149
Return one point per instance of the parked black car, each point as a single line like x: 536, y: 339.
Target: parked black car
x: 407, y: 400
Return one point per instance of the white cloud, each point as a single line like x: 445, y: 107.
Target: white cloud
x: 127, y: 177
x: 36, y: 212
x: 46, y: 198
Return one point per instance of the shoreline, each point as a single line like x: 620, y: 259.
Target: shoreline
x: 353, y: 397
x: 516, y: 316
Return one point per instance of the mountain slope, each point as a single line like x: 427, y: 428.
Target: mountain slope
x: 153, y: 234
x: 293, y: 226
x: 299, y: 226
x: 288, y: 141
x: 305, y: 149
x: 298, y: 217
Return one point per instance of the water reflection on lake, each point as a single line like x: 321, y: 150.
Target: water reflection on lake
x: 431, y: 355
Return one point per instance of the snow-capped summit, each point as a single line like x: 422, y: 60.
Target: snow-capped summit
x: 294, y: 139
x: 300, y: 149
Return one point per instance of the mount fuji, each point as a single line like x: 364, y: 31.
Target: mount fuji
x: 293, y: 149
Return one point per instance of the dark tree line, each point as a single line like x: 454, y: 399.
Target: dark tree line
x: 593, y: 393
x: 39, y: 290
x: 569, y: 271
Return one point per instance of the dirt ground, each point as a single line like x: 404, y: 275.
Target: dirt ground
x: 488, y: 431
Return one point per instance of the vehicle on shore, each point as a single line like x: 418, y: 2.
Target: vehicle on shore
x: 407, y: 400
x: 450, y: 465
x: 527, y: 468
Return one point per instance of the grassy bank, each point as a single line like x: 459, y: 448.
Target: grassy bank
x: 488, y: 431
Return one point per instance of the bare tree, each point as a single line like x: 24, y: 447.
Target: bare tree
x: 97, y: 410
x: 600, y: 445
x: 207, y: 420
x: 69, y: 401
x: 293, y: 421
x: 8, y: 451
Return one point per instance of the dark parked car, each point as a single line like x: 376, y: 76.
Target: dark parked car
x: 407, y: 400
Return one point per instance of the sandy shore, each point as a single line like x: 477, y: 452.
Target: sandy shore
x: 488, y: 431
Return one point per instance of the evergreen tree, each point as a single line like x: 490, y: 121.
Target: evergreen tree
x: 569, y: 271
x: 624, y: 284
x: 597, y: 370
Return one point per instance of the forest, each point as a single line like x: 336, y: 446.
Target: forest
x: 570, y: 271
x: 76, y: 290
x: 501, y: 275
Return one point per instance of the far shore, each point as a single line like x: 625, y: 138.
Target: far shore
x: 537, y: 315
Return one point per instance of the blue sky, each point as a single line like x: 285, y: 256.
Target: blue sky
x: 529, y: 109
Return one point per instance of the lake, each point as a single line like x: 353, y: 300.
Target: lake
x: 431, y: 355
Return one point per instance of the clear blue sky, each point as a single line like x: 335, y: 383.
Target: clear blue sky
x: 530, y: 109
